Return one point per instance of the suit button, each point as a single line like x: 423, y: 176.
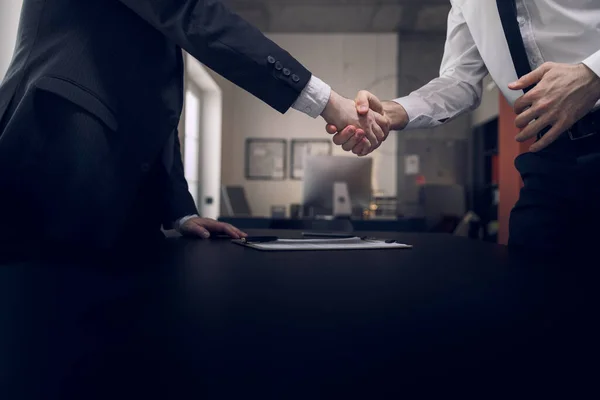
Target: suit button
x: 295, y: 78
x: 286, y: 72
x: 145, y: 167
x: 278, y: 66
x: 271, y: 60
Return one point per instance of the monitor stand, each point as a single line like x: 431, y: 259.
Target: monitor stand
x: 342, y: 206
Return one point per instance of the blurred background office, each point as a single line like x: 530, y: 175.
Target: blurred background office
x: 244, y: 160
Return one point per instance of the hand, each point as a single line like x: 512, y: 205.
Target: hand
x: 394, y: 113
x: 563, y: 94
x: 369, y: 130
x: 203, y: 227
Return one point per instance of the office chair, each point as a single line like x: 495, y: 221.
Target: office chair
x: 234, y: 202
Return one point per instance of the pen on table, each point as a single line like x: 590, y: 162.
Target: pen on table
x: 259, y: 239
x: 373, y: 239
x: 327, y: 235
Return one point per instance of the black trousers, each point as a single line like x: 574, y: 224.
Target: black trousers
x: 559, y: 206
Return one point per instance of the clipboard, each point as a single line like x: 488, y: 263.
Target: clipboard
x: 327, y: 244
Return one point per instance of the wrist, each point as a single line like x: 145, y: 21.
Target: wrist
x: 396, y: 114
x: 330, y: 110
x: 591, y: 82
x: 181, y: 221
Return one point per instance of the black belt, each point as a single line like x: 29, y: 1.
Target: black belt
x: 586, y: 127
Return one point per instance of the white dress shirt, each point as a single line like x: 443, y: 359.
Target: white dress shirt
x: 563, y: 31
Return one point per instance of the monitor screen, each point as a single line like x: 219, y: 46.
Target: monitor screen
x: 320, y: 174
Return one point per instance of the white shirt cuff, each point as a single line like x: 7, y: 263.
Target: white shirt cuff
x: 314, y: 97
x: 593, y: 62
x: 417, y: 111
x: 183, y: 220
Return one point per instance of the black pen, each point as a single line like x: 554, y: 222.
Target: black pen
x: 259, y: 239
x: 373, y: 239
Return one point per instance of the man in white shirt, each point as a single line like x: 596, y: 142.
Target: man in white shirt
x: 553, y: 45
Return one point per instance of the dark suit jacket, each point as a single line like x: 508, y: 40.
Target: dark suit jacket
x: 92, y: 100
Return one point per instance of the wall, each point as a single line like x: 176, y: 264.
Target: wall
x: 348, y: 63
x: 9, y: 21
x: 192, y: 139
x: 202, y: 138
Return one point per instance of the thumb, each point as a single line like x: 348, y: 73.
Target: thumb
x: 362, y: 102
x: 366, y: 100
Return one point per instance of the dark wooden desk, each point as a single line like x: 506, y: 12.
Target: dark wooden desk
x: 209, y: 319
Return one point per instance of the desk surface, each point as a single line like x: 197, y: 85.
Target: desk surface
x: 210, y: 319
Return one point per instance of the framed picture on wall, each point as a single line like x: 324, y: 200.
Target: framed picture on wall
x: 307, y: 147
x: 266, y: 159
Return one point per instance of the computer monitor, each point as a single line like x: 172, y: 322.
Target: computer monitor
x: 322, y: 172
x: 234, y: 202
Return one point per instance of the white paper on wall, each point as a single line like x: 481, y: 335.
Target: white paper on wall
x: 411, y: 164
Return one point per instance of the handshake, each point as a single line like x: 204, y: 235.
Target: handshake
x: 362, y: 125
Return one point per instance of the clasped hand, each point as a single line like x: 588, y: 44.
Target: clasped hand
x: 365, y: 127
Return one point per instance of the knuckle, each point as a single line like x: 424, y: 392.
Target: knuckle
x: 562, y: 118
x: 544, y: 105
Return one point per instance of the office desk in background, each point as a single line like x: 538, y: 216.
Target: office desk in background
x: 339, y: 225
x: 209, y: 319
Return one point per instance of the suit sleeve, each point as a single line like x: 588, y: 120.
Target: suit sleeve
x: 179, y: 201
x: 229, y: 45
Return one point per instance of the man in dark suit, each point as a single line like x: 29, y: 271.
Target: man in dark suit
x: 89, y: 109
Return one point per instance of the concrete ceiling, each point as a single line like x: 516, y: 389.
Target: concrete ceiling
x: 343, y: 16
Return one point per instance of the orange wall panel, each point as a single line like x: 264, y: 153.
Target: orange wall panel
x: 510, y: 182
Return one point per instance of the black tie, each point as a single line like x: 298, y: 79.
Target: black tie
x: 510, y: 24
x: 508, y: 16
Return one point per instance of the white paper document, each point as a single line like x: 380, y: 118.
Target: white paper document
x: 355, y: 243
